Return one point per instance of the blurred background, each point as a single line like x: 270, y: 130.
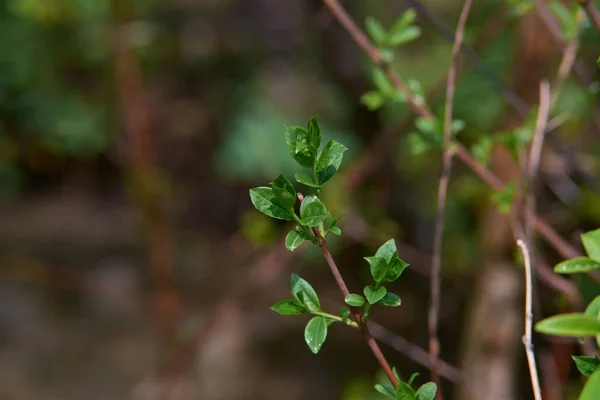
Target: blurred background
x: 132, y: 263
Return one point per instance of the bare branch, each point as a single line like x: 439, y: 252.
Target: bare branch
x: 434, y: 307
x: 535, y: 382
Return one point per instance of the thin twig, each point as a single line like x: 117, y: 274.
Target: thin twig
x: 354, y: 310
x: 592, y: 12
x: 551, y: 236
x: 434, y: 307
x: 535, y: 154
x: 535, y: 382
x: 413, y: 352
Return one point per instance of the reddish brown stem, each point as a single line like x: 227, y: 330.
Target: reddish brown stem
x: 144, y: 176
x: 462, y: 153
x: 355, y: 311
x: 434, y: 307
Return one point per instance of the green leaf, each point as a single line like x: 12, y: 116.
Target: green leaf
x: 457, y: 126
x: 390, y: 300
x: 396, y: 269
x: 335, y: 230
x: 387, y: 54
x: 405, y: 392
x: 382, y: 82
x: 315, y: 333
x: 312, y: 211
x: 344, y: 313
x: 417, y: 144
x: 593, y: 309
x: 387, y: 250
x: 586, y: 365
x: 294, y: 239
x: 427, y: 391
x: 304, y: 294
x: 299, y: 145
x: 374, y: 294
x: 592, y: 387
x: 482, y: 149
x: 264, y: 200
x: 378, y: 266
x: 314, y: 132
x: 591, y: 242
x: 404, y: 36
x: 330, y: 160
x: 575, y: 324
x: 355, y: 300
x: 284, y: 191
x: 576, y: 265
x: 430, y: 126
x: 412, y: 378
x: 373, y: 100
x: 386, y: 390
x: 288, y: 307
x: 376, y: 30
x: 407, y: 18
x: 305, y: 179
x: 504, y: 198
x: 598, y: 62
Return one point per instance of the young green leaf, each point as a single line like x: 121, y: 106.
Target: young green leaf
x: 407, y: 17
x: 284, y: 191
x: 355, y: 300
x: 315, y: 333
x: 299, y: 145
x: 575, y: 324
x: 344, y: 313
x: 427, y: 391
x: 576, y: 265
x: 390, y: 300
x: 314, y: 132
x: 387, y: 251
x: 482, y: 149
x: 373, y: 100
x: 396, y: 269
x: 335, y: 230
x: 305, y: 179
x: 374, y: 294
x: 412, y: 378
x: 312, y: 211
x: 592, y: 387
x: 304, y: 294
x: 294, y: 239
x: 586, y: 365
x: 593, y: 309
x: 405, y: 392
x: 386, y: 390
x: 288, y: 307
x: 591, y: 242
x: 329, y: 160
x: 403, y: 36
x: 378, y: 266
x: 504, y: 198
x: 264, y: 201
x: 376, y: 30
x: 382, y: 82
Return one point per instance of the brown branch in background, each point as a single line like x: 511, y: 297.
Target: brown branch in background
x: 434, y: 308
x: 413, y: 352
x: 592, y: 12
x: 145, y: 179
x: 355, y: 311
x: 535, y: 154
x: 553, y: 238
x: 527, y: 342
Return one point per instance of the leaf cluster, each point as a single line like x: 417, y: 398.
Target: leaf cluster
x: 404, y: 390
x: 586, y: 324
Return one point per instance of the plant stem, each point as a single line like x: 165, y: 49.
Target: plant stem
x: 354, y: 310
x: 535, y: 383
x: 551, y: 236
x: 336, y: 318
x: 434, y: 307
